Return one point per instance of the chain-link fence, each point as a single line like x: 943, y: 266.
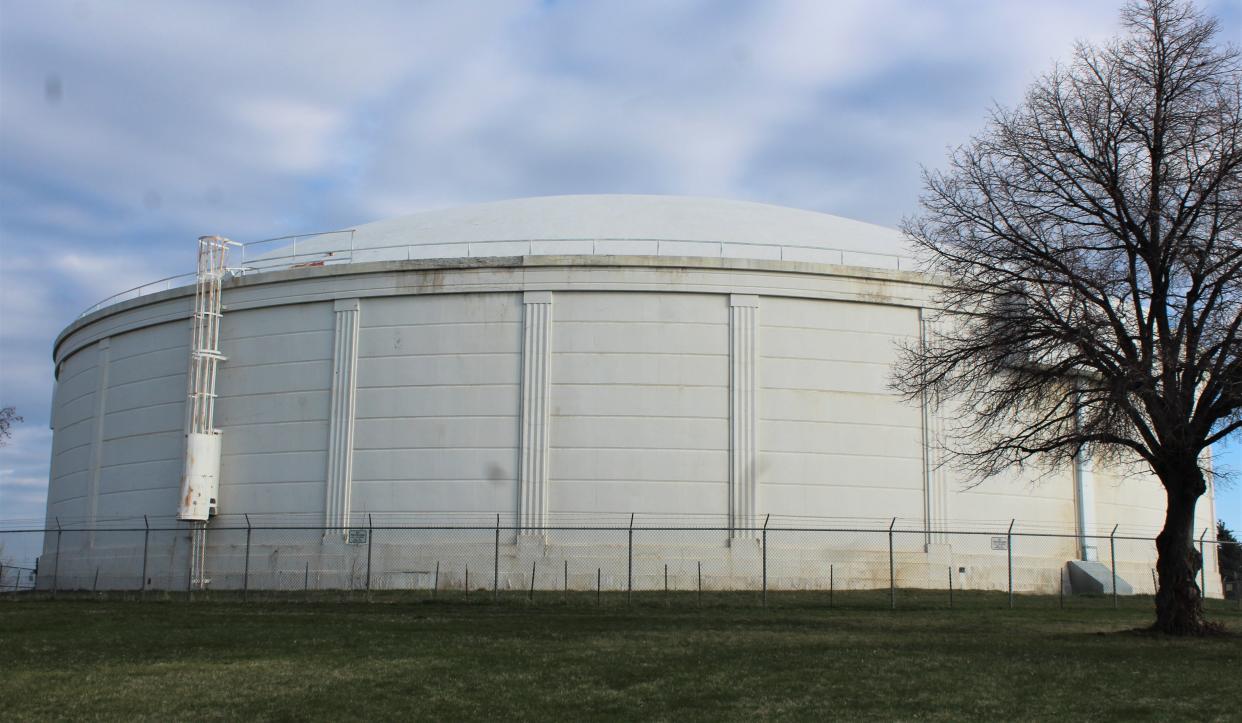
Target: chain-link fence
x: 874, y: 564
x: 14, y: 578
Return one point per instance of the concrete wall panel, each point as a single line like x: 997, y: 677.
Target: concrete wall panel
x: 498, y: 399
x: 278, y: 372
x: 492, y: 464
x: 461, y: 432
x: 147, y: 393
x: 680, y: 402
x: 144, y: 421
x: 671, y: 362
x: 831, y: 432
x: 437, y: 403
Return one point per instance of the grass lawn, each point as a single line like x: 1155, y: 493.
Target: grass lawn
x: 659, y: 658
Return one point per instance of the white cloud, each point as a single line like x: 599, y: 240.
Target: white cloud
x: 297, y: 137
x: 23, y: 472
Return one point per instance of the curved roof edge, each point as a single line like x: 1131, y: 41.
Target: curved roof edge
x: 606, y: 225
x: 622, y: 216
x: 436, y: 265
x: 586, y: 225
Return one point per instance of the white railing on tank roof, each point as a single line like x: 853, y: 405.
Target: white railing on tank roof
x: 633, y: 246
x: 186, y: 279
x: 338, y: 247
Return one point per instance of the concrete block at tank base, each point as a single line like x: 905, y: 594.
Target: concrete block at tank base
x: 1095, y: 577
x: 531, y: 545
x: 939, y: 554
x: 746, y: 547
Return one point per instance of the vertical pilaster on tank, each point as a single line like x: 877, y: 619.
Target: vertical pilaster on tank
x: 743, y: 415
x: 536, y: 357
x: 1084, y: 499
x: 340, y: 474
x: 102, y: 364
x: 935, y: 472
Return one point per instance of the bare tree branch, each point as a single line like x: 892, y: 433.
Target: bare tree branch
x: 1090, y: 246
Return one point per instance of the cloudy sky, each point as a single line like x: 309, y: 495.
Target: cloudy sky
x: 128, y: 129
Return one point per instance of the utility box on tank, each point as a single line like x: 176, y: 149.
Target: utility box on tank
x: 200, y: 485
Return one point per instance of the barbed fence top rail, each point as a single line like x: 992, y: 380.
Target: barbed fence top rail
x: 165, y: 525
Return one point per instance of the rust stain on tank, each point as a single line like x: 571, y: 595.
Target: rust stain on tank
x: 432, y: 280
x: 423, y: 281
x: 186, y: 482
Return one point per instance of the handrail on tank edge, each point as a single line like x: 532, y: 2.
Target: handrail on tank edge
x: 322, y: 256
x: 138, y: 292
x: 124, y: 295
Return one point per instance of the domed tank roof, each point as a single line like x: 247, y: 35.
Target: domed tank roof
x: 618, y: 225
x: 602, y: 225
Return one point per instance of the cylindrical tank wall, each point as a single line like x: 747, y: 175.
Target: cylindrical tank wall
x: 643, y: 366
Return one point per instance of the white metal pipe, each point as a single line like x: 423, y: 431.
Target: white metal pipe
x: 1084, y: 499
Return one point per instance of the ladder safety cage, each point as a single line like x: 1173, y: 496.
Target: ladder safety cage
x: 200, y: 482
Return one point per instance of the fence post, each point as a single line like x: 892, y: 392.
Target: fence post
x: 831, y: 583
x: 892, y: 569
x: 189, y: 567
x: 370, y: 538
x: 629, y: 563
x: 566, y: 577
x: 146, y: 540
x: 306, y: 579
x: 1202, y: 566
x: 496, y: 563
x: 531, y: 597
x: 950, y: 587
x: 700, y: 583
x: 246, y: 569
x: 765, y: 559
x: 56, y: 570
x: 598, y: 575
x: 435, y: 583
x: 1112, y: 560
x: 1009, y: 556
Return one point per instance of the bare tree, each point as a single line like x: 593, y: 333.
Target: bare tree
x: 1090, y: 243
x: 8, y: 417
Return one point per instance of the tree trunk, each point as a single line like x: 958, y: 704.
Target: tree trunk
x: 1179, y: 602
